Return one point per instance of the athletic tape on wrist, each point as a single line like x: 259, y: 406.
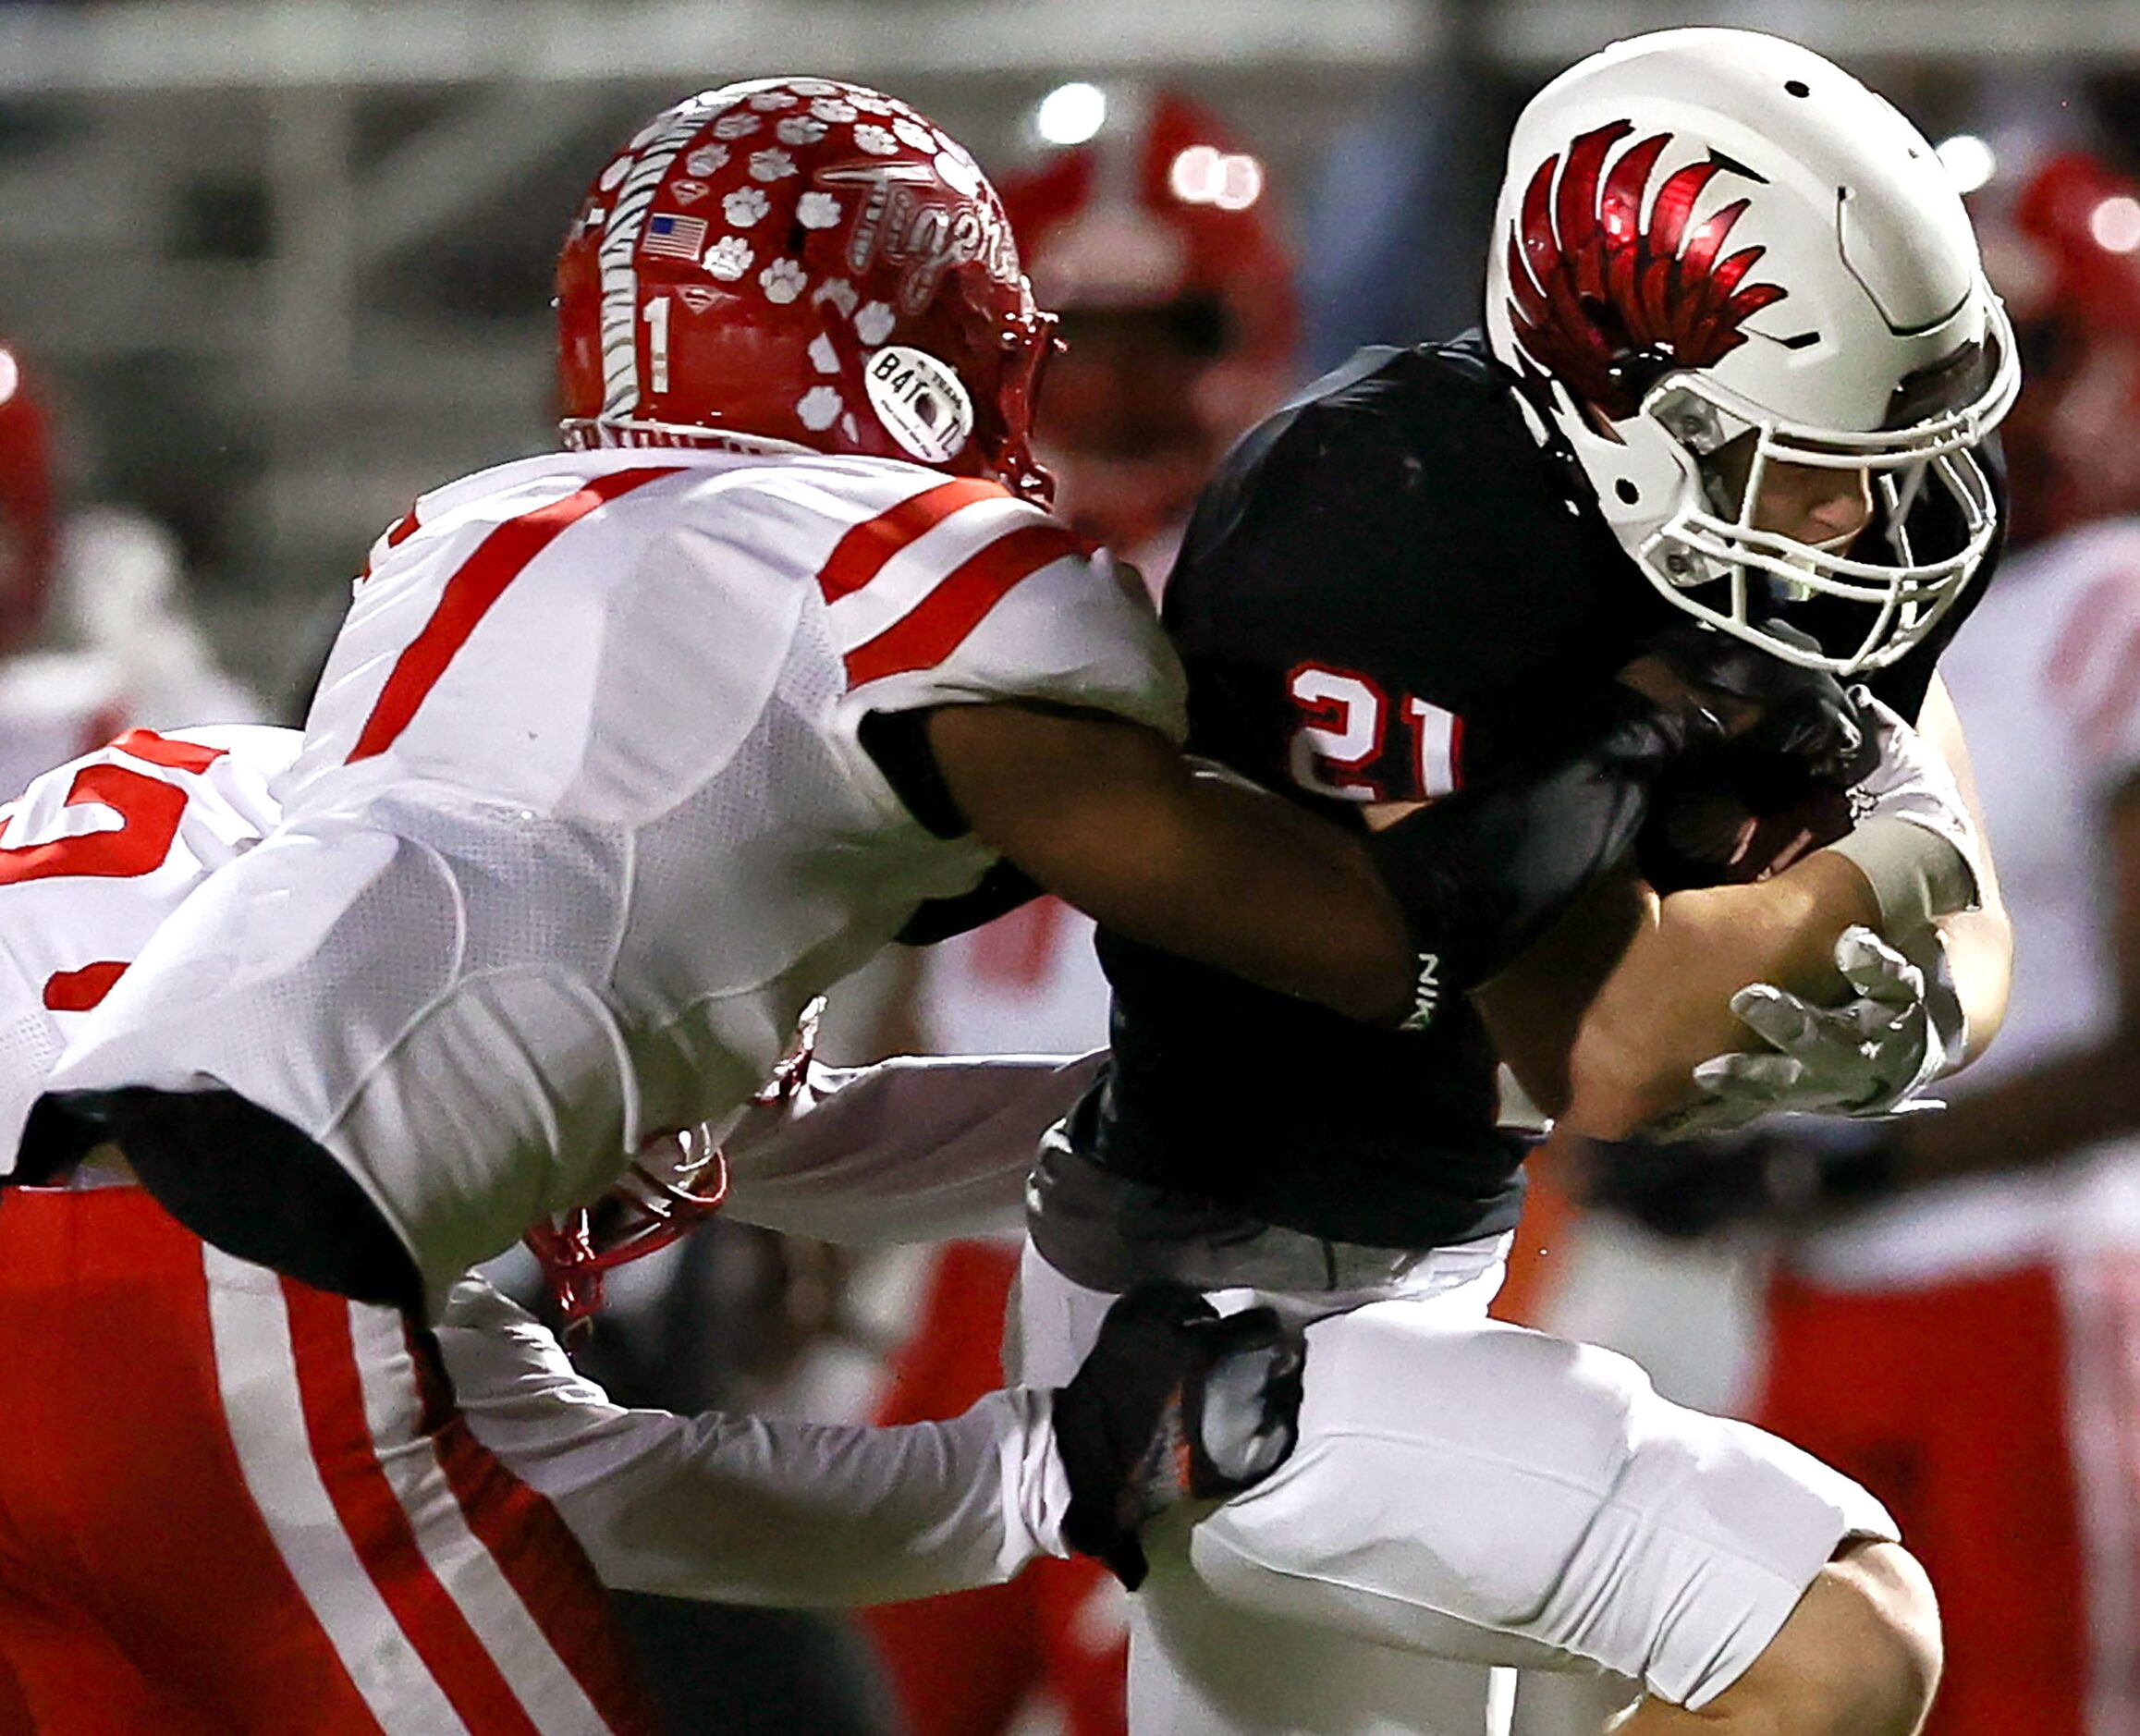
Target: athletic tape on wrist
x: 1914, y: 872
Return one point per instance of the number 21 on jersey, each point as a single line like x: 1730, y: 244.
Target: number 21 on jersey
x: 1341, y: 745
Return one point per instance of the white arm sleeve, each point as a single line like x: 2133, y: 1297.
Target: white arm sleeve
x: 755, y: 1510
x: 916, y: 1149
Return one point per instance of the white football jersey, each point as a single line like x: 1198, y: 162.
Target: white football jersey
x: 92, y: 857
x: 583, y: 819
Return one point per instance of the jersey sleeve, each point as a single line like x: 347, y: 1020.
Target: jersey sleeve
x: 914, y: 1149
x: 999, y: 601
x: 752, y: 1510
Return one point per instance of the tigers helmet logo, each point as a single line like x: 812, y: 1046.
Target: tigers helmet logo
x: 1605, y: 305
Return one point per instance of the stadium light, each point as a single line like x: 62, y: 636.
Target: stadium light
x: 2115, y: 223
x: 1070, y: 113
x: 1968, y: 160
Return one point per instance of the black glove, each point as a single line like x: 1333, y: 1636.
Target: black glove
x: 1783, y: 722
x: 1690, y: 1188
x: 1748, y: 804
x: 1173, y: 1403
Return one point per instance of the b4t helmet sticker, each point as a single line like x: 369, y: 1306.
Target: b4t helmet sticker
x: 920, y: 402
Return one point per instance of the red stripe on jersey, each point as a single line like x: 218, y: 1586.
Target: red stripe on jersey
x: 936, y: 626
x: 185, y: 756
x: 402, y: 528
x: 482, y: 580
x: 861, y: 555
x: 78, y: 991
x: 539, y: 1556
x: 330, y: 1391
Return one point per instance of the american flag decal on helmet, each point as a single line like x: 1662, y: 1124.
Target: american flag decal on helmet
x: 1606, y: 305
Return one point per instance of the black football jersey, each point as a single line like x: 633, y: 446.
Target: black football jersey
x: 1384, y: 580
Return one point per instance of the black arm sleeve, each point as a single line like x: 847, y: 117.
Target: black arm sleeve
x: 1483, y: 872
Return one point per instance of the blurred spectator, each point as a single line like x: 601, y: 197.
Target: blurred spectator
x: 1158, y: 244
x: 52, y: 704
x: 104, y: 582
x: 121, y: 594
x: 1953, y: 1316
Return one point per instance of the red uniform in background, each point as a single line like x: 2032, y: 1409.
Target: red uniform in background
x: 53, y: 705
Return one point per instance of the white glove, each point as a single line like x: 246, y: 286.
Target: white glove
x: 1913, y: 837
x: 1871, y: 1056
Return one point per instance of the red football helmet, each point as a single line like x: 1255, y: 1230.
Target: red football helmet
x: 26, y: 530
x: 801, y: 264
x: 1159, y: 243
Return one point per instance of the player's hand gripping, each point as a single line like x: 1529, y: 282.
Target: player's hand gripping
x: 1558, y: 798
x: 1872, y: 1055
x: 1173, y: 1403
x: 1778, y: 719
x: 1769, y: 783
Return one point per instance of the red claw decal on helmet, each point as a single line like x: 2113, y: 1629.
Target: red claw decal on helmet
x: 1606, y: 306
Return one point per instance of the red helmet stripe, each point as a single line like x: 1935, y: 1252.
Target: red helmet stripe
x: 1619, y: 209
x: 1575, y: 210
x: 1675, y: 204
x: 1708, y: 242
x: 1598, y: 287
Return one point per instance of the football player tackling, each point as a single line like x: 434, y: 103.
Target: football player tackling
x: 625, y: 753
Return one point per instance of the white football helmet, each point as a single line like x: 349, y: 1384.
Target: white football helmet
x: 1710, y: 234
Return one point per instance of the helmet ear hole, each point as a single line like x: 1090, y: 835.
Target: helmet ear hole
x: 1627, y: 490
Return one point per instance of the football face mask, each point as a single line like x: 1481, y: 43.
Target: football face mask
x: 1715, y: 559
x: 671, y: 1188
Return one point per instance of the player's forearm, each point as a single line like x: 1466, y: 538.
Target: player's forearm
x: 1980, y: 960
x: 913, y: 1149
x: 750, y: 1510
x: 1251, y: 883
x: 795, y: 1514
x: 1107, y: 816
x: 1667, y: 1006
